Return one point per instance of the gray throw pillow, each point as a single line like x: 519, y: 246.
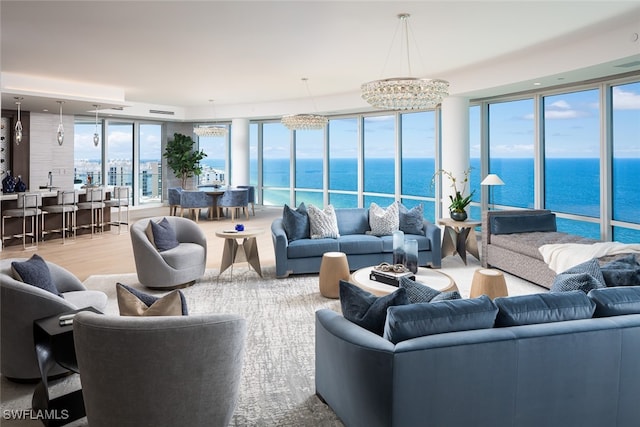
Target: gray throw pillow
x: 622, y: 272
x: 419, y: 292
x: 164, y: 236
x: 323, y: 223
x: 418, y: 320
x: 295, y: 222
x: 543, y: 308
x: 367, y: 310
x: 583, y: 277
x: 411, y: 220
x: 447, y: 296
x: 35, y: 272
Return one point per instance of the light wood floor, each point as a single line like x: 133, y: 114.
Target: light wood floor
x: 112, y: 254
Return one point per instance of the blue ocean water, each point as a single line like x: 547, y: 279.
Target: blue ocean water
x: 571, y: 185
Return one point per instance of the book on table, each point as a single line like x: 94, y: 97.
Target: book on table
x: 389, y: 277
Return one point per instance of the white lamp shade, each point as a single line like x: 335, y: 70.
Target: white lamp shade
x: 492, y: 179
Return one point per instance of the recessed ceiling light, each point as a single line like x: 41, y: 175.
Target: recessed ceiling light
x: 537, y: 84
x: 45, y: 110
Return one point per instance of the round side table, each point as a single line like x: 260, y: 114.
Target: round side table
x: 489, y: 282
x: 334, y: 267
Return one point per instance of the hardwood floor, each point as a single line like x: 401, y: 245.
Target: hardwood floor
x: 111, y: 252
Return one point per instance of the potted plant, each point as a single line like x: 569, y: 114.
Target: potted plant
x: 459, y: 203
x: 182, y: 158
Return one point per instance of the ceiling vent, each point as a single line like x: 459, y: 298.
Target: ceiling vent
x: 168, y: 113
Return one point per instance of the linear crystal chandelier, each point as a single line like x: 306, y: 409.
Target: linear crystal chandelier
x: 210, y: 130
x: 405, y: 93
x: 304, y: 121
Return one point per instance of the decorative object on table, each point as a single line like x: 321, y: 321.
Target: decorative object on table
x: 239, y: 227
x: 491, y: 180
x: 8, y: 183
x: 390, y: 274
x: 182, y: 158
x: 305, y: 121
x: 459, y: 202
x: 405, y: 93
x: 398, y: 247
x: 411, y: 254
x: 20, y: 187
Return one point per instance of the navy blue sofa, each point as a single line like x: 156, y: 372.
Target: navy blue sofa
x: 362, y: 250
x: 568, y: 373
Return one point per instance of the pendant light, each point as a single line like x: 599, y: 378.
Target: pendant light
x: 60, y: 133
x: 305, y: 121
x: 96, y: 136
x: 18, y: 127
x: 210, y: 130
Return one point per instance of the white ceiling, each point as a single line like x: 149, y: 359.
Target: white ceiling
x: 250, y: 56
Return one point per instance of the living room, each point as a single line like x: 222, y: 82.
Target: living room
x: 497, y: 105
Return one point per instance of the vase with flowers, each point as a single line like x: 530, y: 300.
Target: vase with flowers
x: 459, y: 202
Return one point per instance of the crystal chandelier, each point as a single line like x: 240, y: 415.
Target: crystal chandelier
x: 405, y: 93
x: 60, y: 133
x: 210, y: 130
x: 304, y: 121
x: 18, y: 127
x: 96, y: 136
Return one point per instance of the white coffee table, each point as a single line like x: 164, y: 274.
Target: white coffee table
x: 432, y: 278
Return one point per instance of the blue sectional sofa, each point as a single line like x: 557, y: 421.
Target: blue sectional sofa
x: 557, y: 374
x: 305, y: 255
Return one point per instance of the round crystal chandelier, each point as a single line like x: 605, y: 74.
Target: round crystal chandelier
x: 304, y: 121
x: 405, y: 93
x: 210, y: 130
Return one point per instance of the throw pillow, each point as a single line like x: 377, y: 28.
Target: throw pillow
x: 367, y: 310
x: 383, y: 222
x: 418, y: 320
x: 447, y: 296
x: 616, y: 301
x: 622, y: 272
x: 132, y: 302
x: 543, y: 308
x: 583, y: 277
x: 296, y: 222
x: 411, y: 220
x: 417, y: 292
x: 35, y: 272
x: 164, y: 236
x: 323, y: 223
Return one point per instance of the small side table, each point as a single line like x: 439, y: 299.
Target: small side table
x: 334, y: 267
x: 54, y: 345
x: 246, y: 250
x: 459, y: 238
x: 489, y: 282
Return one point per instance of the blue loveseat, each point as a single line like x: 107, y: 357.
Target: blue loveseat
x: 362, y: 250
x: 561, y: 373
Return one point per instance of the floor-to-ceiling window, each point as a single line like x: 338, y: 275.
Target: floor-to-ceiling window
x: 119, y: 163
x: 379, y: 159
x: 309, y: 155
x: 343, y: 162
x: 254, y: 173
x: 213, y: 166
x: 626, y: 161
x: 150, y: 163
x: 572, y: 159
x: 511, y: 152
x: 87, y: 156
x: 276, y: 164
x: 475, y: 156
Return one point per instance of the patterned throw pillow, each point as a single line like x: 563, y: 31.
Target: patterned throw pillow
x: 411, y: 220
x: 323, y: 223
x: 583, y: 277
x: 417, y: 292
x: 132, y: 302
x: 383, y: 222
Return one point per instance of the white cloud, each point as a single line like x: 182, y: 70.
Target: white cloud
x: 560, y: 105
x: 565, y: 114
x: 624, y: 100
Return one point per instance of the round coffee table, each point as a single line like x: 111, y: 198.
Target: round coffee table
x: 427, y: 276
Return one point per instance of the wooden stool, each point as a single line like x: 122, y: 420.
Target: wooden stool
x: 488, y: 282
x: 334, y: 267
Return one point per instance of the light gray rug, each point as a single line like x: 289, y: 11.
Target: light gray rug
x: 278, y: 382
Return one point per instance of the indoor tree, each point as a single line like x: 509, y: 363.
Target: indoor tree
x: 182, y: 158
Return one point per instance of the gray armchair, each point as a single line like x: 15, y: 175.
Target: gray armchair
x: 23, y: 303
x: 177, y: 267
x: 160, y: 371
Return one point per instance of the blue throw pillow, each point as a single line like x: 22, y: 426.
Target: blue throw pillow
x: 419, y: 292
x: 411, y: 220
x: 543, y: 308
x: 508, y: 224
x: 367, y: 310
x: 296, y: 222
x: 616, y: 301
x: 582, y: 277
x: 129, y: 305
x: 35, y: 271
x: 417, y: 320
x: 164, y: 236
x: 622, y: 272
x: 447, y: 296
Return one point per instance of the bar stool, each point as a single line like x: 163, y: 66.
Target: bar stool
x: 67, y: 208
x: 94, y: 203
x: 27, y: 206
x: 120, y: 200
